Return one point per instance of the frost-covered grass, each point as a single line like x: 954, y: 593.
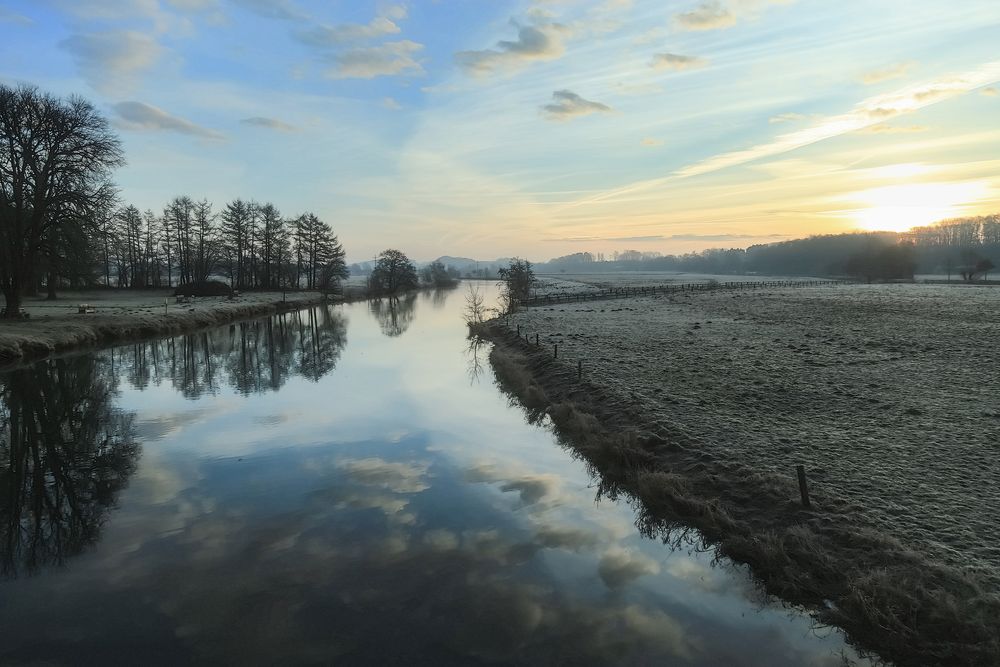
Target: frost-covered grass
x: 575, y: 283
x: 886, y: 393
x: 57, y: 326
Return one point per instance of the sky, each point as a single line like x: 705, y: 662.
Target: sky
x: 494, y: 128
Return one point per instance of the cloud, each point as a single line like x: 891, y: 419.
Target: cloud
x: 272, y: 9
x: 715, y: 15
x: 533, y: 43
x: 661, y: 237
x: 991, y: 91
x: 392, y: 476
x: 652, y: 142
x: 114, y: 59
x: 883, y: 128
x: 532, y: 488
x: 871, y: 111
x: 347, y: 33
x: 786, y: 118
x: 389, y: 59
x: 887, y: 73
x: 8, y: 16
x: 710, y: 15
x: 193, y: 5
x: 619, y: 567
x: 573, y: 539
x: 567, y: 104
x: 391, y: 104
x: 141, y: 116
x: 269, y: 123
x: 677, y: 62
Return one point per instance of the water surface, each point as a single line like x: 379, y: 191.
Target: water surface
x: 341, y: 485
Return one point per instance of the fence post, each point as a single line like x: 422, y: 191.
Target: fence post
x: 803, y: 486
x: 536, y: 340
x: 579, y: 368
x: 555, y: 351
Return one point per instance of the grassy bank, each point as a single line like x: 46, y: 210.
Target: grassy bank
x: 901, y: 601
x: 55, y: 327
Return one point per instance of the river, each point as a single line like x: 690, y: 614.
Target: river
x: 344, y: 485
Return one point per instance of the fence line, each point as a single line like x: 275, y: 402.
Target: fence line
x: 626, y: 292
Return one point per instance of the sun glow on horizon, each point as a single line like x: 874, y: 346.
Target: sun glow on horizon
x: 898, y: 208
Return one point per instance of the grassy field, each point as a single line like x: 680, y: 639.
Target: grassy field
x: 58, y: 326
x: 886, y: 393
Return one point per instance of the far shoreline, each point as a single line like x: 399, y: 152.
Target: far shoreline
x: 39, y: 337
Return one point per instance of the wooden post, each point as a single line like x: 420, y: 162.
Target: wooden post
x: 803, y: 486
x: 536, y: 340
x: 579, y: 369
x: 555, y: 351
x: 518, y: 330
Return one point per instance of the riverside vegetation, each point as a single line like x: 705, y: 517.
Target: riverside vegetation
x: 698, y: 406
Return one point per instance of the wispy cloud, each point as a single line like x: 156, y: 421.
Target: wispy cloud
x: 652, y: 142
x: 533, y: 43
x: 716, y: 15
x: 871, y: 111
x: 887, y: 73
x: 141, y: 116
x: 710, y: 15
x: 389, y: 59
x: 991, y: 91
x: 675, y: 61
x: 657, y: 238
x: 790, y: 117
x: 883, y: 128
x: 7, y: 16
x: 566, y: 104
x: 269, y: 123
x: 272, y: 9
x: 113, y: 60
x: 346, y: 33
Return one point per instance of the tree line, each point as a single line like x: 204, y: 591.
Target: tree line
x: 965, y: 247
x: 250, y: 243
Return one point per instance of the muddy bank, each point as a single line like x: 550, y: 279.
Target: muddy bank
x: 902, y: 602
x: 23, y: 341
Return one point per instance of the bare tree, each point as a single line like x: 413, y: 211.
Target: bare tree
x: 56, y: 159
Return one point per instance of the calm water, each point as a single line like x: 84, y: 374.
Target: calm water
x: 335, y: 486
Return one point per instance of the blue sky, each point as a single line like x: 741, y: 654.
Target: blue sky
x: 489, y: 128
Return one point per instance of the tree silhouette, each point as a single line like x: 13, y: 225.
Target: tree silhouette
x: 393, y: 273
x: 55, y: 162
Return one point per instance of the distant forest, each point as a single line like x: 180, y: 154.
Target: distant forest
x: 967, y: 248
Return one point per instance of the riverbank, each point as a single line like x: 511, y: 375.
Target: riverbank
x: 56, y: 327
x: 700, y: 405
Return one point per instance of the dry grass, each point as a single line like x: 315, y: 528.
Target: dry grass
x: 890, y: 599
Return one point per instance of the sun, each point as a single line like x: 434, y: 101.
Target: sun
x: 898, y: 208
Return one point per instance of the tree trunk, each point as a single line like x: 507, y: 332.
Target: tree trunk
x: 51, y: 286
x: 12, y: 294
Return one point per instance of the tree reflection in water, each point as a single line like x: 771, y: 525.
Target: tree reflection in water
x: 65, y: 454
x: 66, y: 451
x: 252, y: 357
x: 394, y: 314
